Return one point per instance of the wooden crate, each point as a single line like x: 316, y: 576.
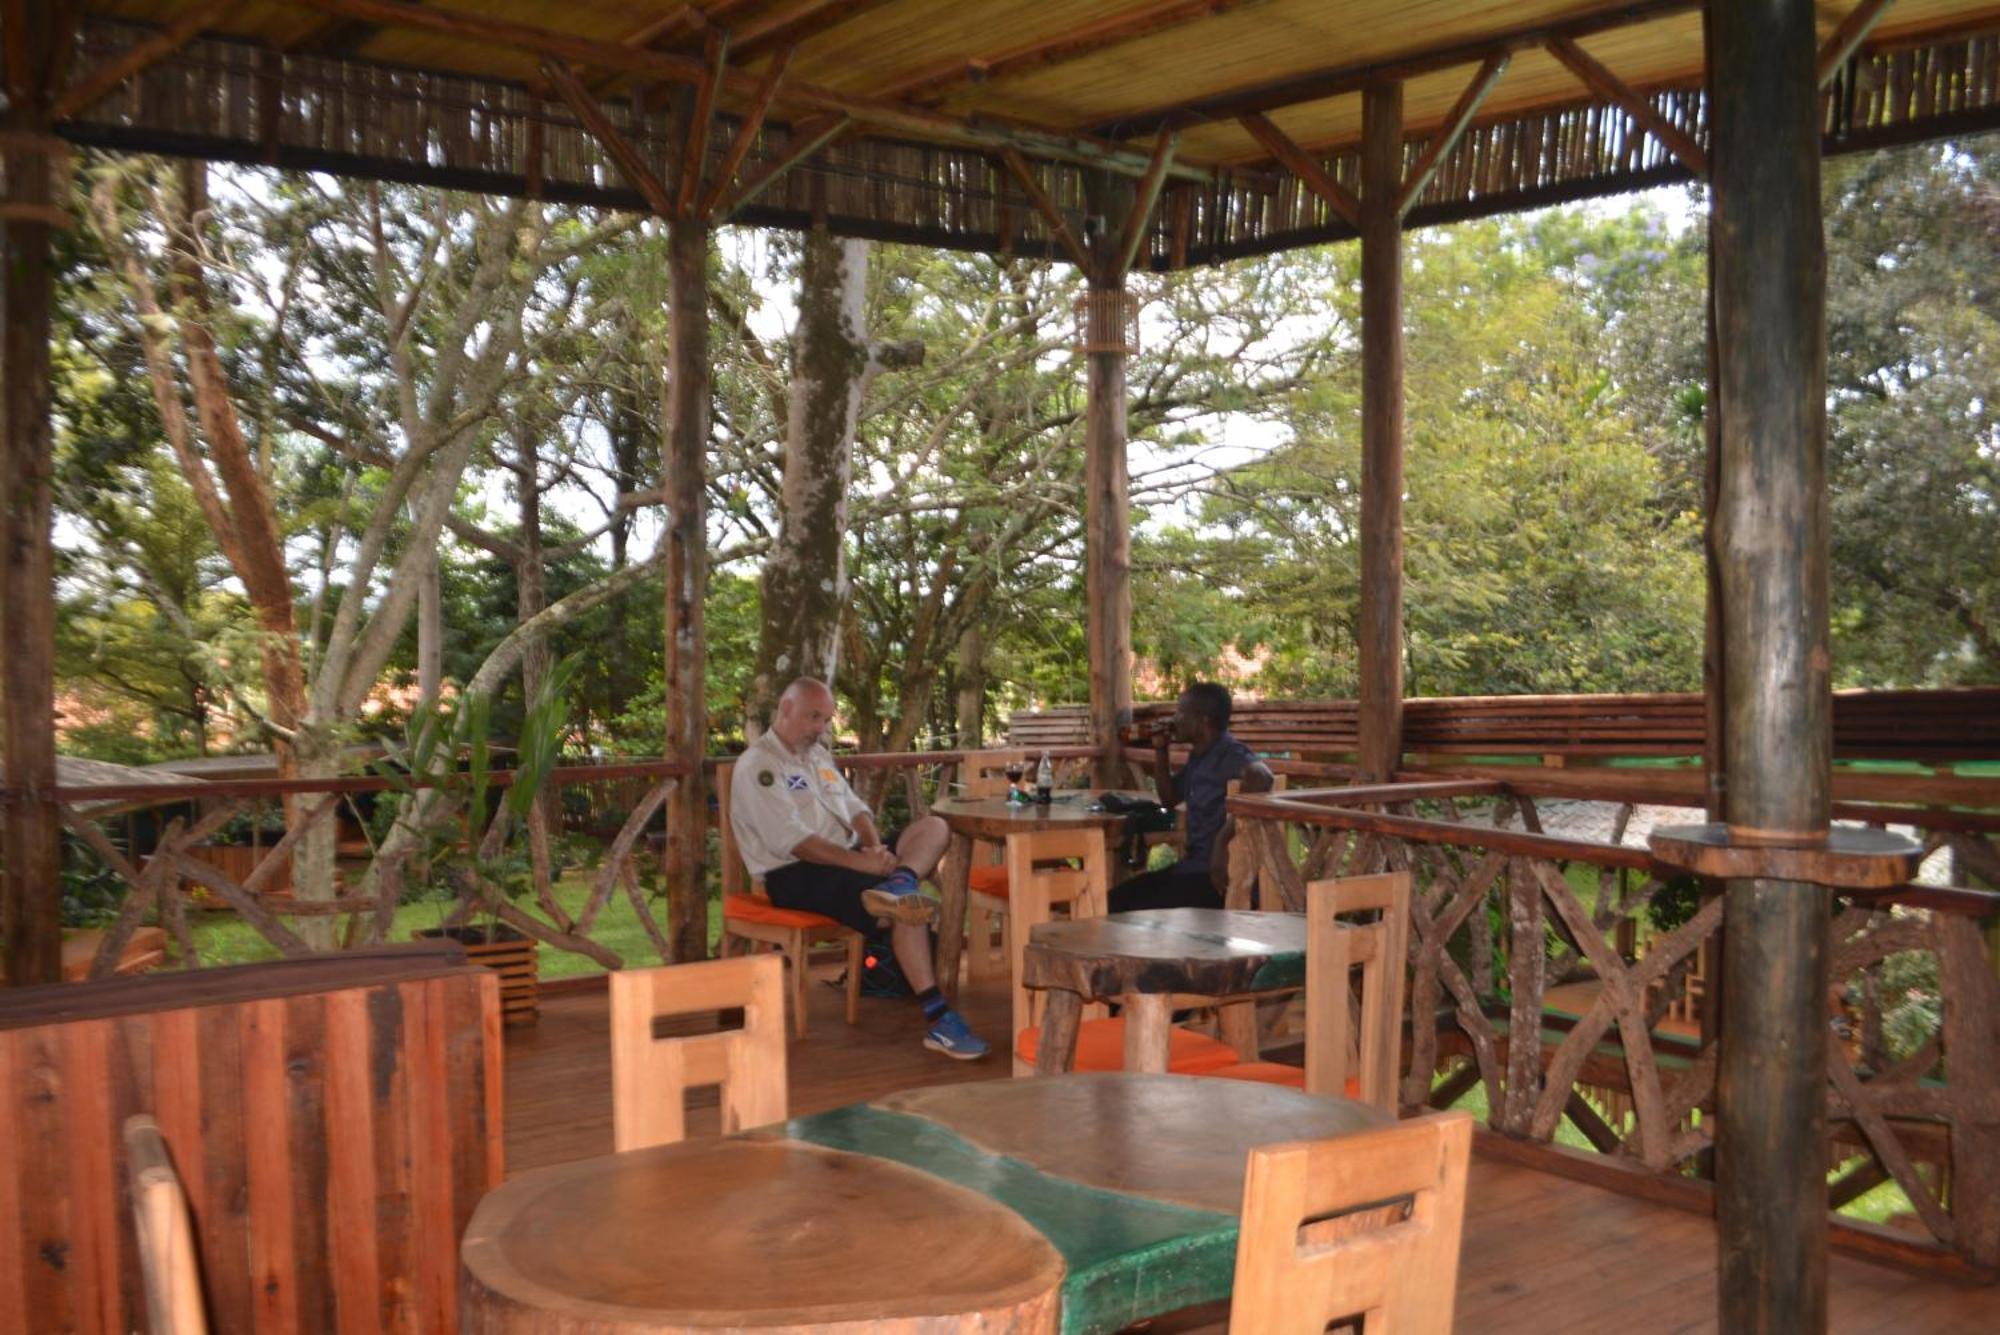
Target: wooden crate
x: 334, y: 1119
x: 510, y: 954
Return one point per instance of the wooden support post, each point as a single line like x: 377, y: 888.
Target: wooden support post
x: 687, y: 573
x: 1771, y: 547
x: 1381, y: 620
x: 30, y: 823
x: 1107, y: 500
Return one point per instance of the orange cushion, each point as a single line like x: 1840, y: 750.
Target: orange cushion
x: 991, y: 880
x: 758, y: 908
x: 1100, y: 1046
x: 1277, y: 1073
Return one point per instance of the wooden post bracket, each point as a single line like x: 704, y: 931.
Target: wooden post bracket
x: 564, y: 79
x: 1302, y: 165
x: 1134, y: 235
x: 1623, y: 96
x: 1848, y: 37
x: 1058, y: 225
x: 1456, y: 122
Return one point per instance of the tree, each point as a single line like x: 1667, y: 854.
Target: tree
x: 460, y: 294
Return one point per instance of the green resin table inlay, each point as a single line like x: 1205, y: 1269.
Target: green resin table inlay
x: 1127, y: 1257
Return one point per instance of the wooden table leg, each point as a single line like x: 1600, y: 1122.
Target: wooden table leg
x: 1237, y: 1021
x: 1056, y: 1052
x: 954, y: 879
x: 1149, y: 1018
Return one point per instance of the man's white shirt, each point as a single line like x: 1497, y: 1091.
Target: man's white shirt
x: 778, y: 798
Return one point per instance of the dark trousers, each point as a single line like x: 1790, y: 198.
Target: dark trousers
x: 1174, y: 887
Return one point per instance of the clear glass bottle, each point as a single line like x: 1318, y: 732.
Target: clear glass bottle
x: 1045, y: 778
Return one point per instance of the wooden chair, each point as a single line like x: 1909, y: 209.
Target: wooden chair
x: 650, y: 1075
x: 987, y: 887
x: 1363, y: 1227
x: 1100, y: 1041
x: 1344, y: 1058
x: 165, y: 1232
x: 1039, y: 879
x: 750, y: 919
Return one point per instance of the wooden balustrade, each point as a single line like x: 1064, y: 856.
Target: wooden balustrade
x: 1507, y: 916
x: 623, y: 800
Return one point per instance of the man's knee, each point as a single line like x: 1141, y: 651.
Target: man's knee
x: 928, y: 828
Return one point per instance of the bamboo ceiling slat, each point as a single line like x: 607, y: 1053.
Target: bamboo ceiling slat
x: 408, y: 103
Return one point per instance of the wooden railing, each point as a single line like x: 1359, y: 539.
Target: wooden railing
x: 623, y: 800
x: 1940, y: 725
x: 1505, y: 912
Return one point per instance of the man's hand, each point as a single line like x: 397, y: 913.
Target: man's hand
x: 875, y: 860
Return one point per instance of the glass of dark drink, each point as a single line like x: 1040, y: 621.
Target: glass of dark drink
x: 1015, y: 769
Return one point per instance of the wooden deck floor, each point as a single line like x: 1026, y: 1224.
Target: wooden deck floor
x: 1541, y: 1254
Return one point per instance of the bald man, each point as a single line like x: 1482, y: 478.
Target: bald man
x: 816, y: 846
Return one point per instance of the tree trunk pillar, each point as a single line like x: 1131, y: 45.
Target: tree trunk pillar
x: 30, y: 843
x: 1770, y: 538
x: 686, y: 585
x: 1107, y: 486
x: 1381, y: 618
x: 804, y: 586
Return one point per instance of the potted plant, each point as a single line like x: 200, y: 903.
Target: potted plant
x: 475, y: 858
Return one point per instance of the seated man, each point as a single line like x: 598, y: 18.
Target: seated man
x: 1201, y: 877
x: 814, y: 842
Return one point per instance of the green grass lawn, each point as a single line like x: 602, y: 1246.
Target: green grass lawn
x: 223, y: 938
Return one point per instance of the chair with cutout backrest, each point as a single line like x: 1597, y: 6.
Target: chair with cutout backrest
x: 165, y: 1232
x: 1353, y: 1046
x: 1361, y: 1227
x: 651, y: 1074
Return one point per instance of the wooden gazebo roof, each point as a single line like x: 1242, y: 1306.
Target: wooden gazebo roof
x: 969, y: 125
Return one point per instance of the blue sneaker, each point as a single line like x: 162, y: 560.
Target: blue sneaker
x: 949, y: 1035
x: 898, y: 899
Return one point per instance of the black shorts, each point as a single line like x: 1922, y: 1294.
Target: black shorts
x: 832, y: 892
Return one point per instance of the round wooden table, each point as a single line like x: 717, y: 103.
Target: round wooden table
x: 1078, y: 1204
x: 994, y: 819
x: 1143, y: 960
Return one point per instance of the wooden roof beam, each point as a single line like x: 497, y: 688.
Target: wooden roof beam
x: 570, y: 88
x: 87, y: 90
x: 746, y: 131
x: 921, y: 122
x: 1622, y: 95
x: 1848, y: 37
x: 1148, y: 195
x: 1334, y: 80
x: 1303, y: 165
x: 1087, y: 39
x: 1452, y: 130
x: 807, y: 138
x: 696, y: 157
x: 795, y: 23
x: 1058, y: 225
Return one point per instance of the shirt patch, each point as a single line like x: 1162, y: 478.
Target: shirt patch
x: 795, y: 783
x: 830, y: 776
x: 765, y: 778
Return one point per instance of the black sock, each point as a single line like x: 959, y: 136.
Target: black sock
x: 933, y: 1004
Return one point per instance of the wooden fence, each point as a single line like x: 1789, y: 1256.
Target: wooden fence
x: 165, y: 884
x: 1506, y: 914
x: 1509, y: 921
x: 1939, y: 726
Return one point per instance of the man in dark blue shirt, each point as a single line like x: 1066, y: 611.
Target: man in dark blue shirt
x: 1201, y: 877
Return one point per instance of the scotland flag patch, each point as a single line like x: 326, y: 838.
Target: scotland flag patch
x: 795, y: 783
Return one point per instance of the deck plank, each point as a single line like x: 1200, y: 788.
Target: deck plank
x: 1541, y: 1253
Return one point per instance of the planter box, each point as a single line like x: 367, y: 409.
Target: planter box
x: 508, y: 953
